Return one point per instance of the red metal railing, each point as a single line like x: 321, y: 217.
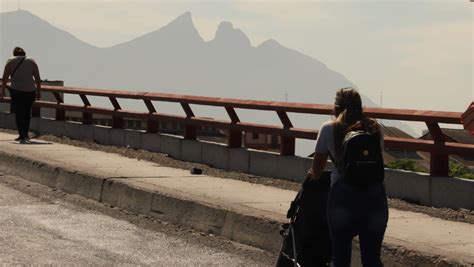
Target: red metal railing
x: 467, y: 118
x: 439, y: 148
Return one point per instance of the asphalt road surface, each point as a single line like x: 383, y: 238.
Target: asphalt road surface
x: 40, y: 225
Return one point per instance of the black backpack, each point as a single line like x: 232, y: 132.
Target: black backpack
x: 361, y: 160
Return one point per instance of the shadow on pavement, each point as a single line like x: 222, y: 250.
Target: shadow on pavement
x: 31, y: 142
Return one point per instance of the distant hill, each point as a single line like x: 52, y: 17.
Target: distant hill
x: 176, y: 59
x: 173, y: 59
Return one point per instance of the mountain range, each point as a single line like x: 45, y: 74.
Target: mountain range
x: 176, y: 59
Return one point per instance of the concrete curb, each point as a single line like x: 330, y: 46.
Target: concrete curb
x: 242, y: 228
x: 72, y: 182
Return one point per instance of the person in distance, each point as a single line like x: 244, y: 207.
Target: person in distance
x: 23, y: 89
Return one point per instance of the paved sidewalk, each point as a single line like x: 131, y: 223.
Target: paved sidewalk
x: 413, y: 231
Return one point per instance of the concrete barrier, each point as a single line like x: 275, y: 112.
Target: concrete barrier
x: 39, y: 173
x: 411, y: 186
x: 79, y: 131
x: 49, y: 126
x: 254, y: 231
x: 263, y: 163
x: 79, y: 183
x: 73, y: 129
x: 197, y: 215
x: 415, y: 187
x: 119, y: 193
x: 53, y: 127
x: 102, y: 134
x: 34, y: 124
x: 215, y: 155
x: 151, y: 142
x: 117, y: 137
x: 239, y: 160
x: 452, y: 192
x: 293, y: 168
x: 171, y: 145
x: 191, y: 150
x: 133, y: 139
x: 8, y: 121
x: 51, y: 176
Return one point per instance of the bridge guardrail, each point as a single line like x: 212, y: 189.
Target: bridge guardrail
x: 438, y: 148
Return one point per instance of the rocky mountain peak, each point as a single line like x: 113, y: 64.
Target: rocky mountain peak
x: 226, y: 34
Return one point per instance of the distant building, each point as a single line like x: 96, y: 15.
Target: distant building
x: 250, y: 140
x: 453, y: 135
x: 391, y: 131
x: 260, y: 141
x: 207, y: 133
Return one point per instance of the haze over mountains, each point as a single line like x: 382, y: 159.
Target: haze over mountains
x: 176, y: 59
x: 173, y: 59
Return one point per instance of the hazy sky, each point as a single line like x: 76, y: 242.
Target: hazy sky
x: 419, y: 53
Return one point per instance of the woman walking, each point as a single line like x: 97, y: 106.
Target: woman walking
x: 23, y: 90
x: 357, y: 203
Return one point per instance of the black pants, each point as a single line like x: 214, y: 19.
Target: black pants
x: 357, y: 211
x: 22, y: 103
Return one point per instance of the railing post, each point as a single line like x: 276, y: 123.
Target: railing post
x: 234, y: 138
x: 117, y: 121
x: 439, y: 160
x: 189, y: 130
x: 60, y: 113
x: 152, y: 125
x: 467, y: 118
x: 86, y: 116
x: 287, y: 147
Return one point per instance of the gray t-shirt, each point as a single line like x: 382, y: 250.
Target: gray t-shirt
x: 326, y: 144
x: 22, y: 80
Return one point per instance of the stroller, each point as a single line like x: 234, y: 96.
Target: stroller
x: 306, y: 240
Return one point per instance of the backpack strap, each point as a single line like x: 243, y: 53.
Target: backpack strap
x: 17, y: 66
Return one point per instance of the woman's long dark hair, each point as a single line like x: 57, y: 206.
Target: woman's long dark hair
x: 350, y: 117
